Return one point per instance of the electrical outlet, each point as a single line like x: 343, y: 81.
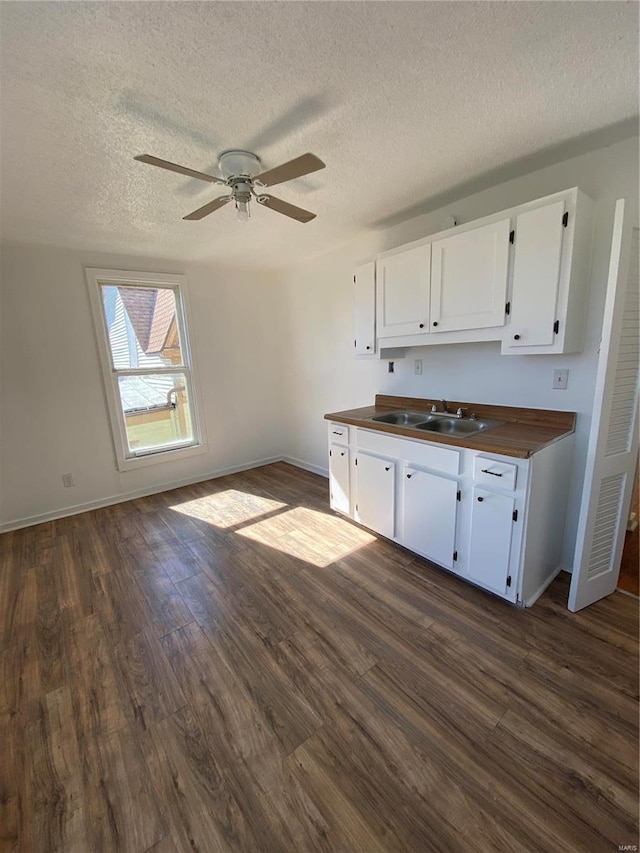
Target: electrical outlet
x: 560, y: 379
x: 68, y: 481
x: 417, y: 366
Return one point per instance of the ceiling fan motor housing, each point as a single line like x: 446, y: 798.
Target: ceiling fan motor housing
x: 235, y: 163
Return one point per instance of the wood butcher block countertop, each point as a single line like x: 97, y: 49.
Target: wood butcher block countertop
x: 525, y: 431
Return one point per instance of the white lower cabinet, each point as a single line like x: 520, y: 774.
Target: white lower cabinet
x: 375, y: 493
x: 492, y: 521
x: 429, y: 515
x: 339, y: 479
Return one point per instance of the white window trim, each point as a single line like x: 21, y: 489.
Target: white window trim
x: 124, y: 461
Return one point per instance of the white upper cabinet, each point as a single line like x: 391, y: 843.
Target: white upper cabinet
x: 364, y: 309
x: 536, y: 276
x: 520, y: 276
x: 550, y: 286
x: 403, y: 282
x: 469, y: 273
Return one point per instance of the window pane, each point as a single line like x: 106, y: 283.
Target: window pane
x: 156, y: 410
x: 141, y: 326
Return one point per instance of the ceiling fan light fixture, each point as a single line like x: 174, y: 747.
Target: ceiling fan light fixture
x: 243, y: 210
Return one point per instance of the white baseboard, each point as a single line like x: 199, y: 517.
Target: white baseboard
x: 29, y: 521
x: 306, y: 466
x: 630, y: 594
x: 536, y: 595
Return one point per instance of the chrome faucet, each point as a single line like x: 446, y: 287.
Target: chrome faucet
x: 445, y: 410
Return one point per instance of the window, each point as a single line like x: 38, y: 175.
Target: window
x: 146, y: 364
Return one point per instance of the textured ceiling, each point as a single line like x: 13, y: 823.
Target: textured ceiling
x: 403, y: 101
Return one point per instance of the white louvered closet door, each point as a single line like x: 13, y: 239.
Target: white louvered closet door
x: 613, y: 441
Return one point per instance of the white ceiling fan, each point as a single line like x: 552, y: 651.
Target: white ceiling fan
x: 241, y: 174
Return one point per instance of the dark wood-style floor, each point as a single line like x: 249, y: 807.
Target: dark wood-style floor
x: 230, y: 667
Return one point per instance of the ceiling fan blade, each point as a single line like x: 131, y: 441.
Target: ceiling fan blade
x: 174, y: 167
x: 288, y: 171
x: 284, y: 207
x: 208, y: 208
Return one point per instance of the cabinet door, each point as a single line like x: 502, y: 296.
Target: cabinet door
x: 403, y: 292
x: 429, y: 515
x: 339, y: 478
x: 364, y: 309
x: 490, y: 544
x: 375, y: 506
x: 469, y: 274
x: 536, y: 276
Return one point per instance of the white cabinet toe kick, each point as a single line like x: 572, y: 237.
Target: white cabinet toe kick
x: 495, y: 521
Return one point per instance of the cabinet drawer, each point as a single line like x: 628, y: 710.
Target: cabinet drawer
x: 415, y: 452
x: 339, y: 433
x: 494, y: 473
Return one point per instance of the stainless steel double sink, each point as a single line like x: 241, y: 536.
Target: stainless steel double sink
x: 441, y: 423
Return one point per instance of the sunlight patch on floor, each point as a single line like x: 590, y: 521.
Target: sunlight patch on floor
x: 308, y: 535
x: 226, y: 509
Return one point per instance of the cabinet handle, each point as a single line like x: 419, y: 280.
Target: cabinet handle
x: 335, y: 432
x: 342, y: 453
x: 422, y: 325
x: 388, y: 468
x: 435, y: 324
x: 480, y: 499
x: 516, y: 337
x: 493, y: 473
x: 408, y: 476
x: 368, y: 347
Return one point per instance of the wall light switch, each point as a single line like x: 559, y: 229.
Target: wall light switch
x: 417, y: 366
x: 560, y: 379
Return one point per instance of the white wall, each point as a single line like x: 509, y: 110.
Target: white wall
x: 1, y: 360
x: 323, y: 375
x: 52, y: 407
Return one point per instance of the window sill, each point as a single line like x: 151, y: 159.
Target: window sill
x: 162, y: 456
